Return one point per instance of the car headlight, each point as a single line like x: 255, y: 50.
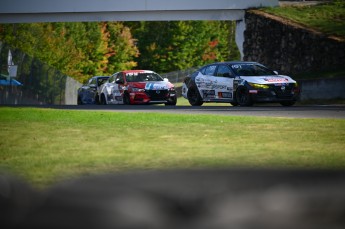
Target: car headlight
x: 296, y: 89
x: 135, y: 89
x: 259, y: 86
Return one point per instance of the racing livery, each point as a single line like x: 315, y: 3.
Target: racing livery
x: 137, y: 87
x: 239, y: 83
x: 88, y: 93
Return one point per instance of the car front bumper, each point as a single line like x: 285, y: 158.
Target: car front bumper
x: 274, y: 94
x: 152, y: 97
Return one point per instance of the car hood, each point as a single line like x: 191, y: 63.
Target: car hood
x: 152, y: 85
x: 268, y: 79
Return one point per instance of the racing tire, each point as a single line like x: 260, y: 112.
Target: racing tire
x: 171, y: 102
x: 79, y: 101
x: 97, y: 101
x: 287, y: 103
x: 243, y: 97
x: 103, y: 100
x: 126, y: 99
x: 194, y: 97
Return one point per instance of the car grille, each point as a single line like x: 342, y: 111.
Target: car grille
x: 157, y: 94
x: 286, y: 93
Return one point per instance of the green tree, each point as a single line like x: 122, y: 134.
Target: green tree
x: 78, y: 49
x: 84, y: 49
x: 45, y: 42
x: 169, y: 46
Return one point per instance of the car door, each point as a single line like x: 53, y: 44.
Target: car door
x: 224, y: 79
x: 205, y: 82
x: 111, y: 90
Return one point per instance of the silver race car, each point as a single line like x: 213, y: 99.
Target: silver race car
x: 239, y: 83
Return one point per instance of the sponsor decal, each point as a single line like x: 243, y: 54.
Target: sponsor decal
x: 226, y: 95
x: 156, y: 86
x: 132, y: 73
x: 276, y: 79
x: 219, y: 87
x: 201, y: 85
x: 208, y: 93
x: 253, y: 91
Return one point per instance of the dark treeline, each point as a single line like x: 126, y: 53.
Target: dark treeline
x: 84, y: 49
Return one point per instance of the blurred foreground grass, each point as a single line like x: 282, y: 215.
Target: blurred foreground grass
x: 45, y: 145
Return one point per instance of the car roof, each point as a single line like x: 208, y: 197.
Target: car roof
x: 234, y: 62
x: 137, y: 71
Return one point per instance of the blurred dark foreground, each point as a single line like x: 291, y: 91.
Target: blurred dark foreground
x: 180, y: 199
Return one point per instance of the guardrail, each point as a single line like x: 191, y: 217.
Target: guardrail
x: 178, y: 76
x: 39, y: 82
x: 315, y: 89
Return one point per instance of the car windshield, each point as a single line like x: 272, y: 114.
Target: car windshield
x: 143, y: 77
x: 101, y: 81
x: 250, y: 69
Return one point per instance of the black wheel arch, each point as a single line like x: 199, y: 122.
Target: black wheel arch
x: 103, y: 100
x: 194, y: 97
x: 126, y: 98
x: 242, y: 96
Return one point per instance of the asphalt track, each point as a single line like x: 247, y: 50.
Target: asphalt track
x: 310, y: 111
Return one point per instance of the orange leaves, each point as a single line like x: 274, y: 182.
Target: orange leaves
x: 213, y: 43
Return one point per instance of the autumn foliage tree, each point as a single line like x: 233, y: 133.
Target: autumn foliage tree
x: 85, y: 49
x: 78, y: 49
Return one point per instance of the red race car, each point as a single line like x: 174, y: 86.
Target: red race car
x: 137, y: 87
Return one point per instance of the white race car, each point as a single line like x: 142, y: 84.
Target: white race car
x: 239, y: 83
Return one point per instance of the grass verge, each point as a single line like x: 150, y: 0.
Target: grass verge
x: 328, y: 18
x: 45, y: 145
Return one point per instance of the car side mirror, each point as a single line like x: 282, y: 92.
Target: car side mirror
x: 119, y: 81
x: 166, y: 80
